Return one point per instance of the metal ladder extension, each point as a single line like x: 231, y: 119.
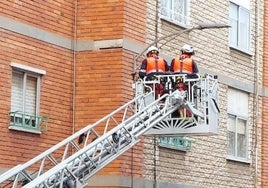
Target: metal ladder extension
x: 70, y: 164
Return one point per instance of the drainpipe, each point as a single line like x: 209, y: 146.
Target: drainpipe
x: 156, y: 22
x: 257, y: 62
x: 156, y: 43
x: 74, y: 64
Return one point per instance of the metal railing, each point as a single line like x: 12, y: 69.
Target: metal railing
x: 27, y: 122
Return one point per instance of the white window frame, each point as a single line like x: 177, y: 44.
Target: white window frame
x: 26, y: 73
x: 238, y: 112
x: 25, y: 79
x: 168, y: 12
x: 239, y: 37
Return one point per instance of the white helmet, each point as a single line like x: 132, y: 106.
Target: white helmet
x: 187, y: 49
x: 152, y: 48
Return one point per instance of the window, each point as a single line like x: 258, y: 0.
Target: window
x: 237, y: 127
x: 175, y: 11
x: 239, y: 21
x: 24, y: 92
x: 25, y: 95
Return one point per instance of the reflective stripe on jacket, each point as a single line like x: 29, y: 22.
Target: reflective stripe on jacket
x: 183, y: 66
x: 155, y: 65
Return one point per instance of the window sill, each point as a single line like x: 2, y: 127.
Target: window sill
x: 184, y: 26
x: 236, y: 159
x: 17, y: 128
x: 240, y: 50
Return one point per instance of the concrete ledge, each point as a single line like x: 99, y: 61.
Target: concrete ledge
x: 125, y: 43
x: 132, y: 182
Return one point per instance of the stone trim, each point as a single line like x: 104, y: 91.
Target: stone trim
x: 125, y: 43
x: 122, y: 181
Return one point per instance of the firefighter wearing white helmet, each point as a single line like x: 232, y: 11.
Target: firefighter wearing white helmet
x: 153, y: 64
x: 187, y: 49
x: 184, y: 63
x: 152, y: 50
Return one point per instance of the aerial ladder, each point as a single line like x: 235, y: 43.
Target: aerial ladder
x: 192, y: 110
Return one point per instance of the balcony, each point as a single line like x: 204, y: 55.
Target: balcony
x: 177, y: 143
x: 28, y: 123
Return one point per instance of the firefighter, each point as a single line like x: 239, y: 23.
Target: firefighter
x: 184, y: 64
x: 153, y: 64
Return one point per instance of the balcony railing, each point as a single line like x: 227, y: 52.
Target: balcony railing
x: 177, y: 143
x: 27, y: 122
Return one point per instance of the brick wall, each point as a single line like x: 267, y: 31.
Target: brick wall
x: 103, y: 76
x: 134, y: 20
x: 48, y: 15
x: 56, y: 96
x: 99, y: 19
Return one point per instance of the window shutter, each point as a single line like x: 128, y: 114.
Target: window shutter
x: 30, y: 95
x: 17, y: 92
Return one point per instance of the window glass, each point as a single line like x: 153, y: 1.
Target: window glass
x: 241, y: 138
x: 231, y: 135
x: 239, y: 31
x: 244, y: 28
x: 237, y: 128
x: 165, y: 7
x: 234, y: 24
x: 174, y: 11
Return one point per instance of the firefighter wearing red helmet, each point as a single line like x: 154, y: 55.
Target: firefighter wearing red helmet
x: 152, y: 64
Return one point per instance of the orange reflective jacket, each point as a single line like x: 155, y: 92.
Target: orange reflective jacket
x: 155, y: 65
x: 183, y: 66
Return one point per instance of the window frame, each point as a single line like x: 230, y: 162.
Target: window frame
x: 25, y: 79
x: 235, y: 157
x: 170, y: 16
x: 19, y: 119
x: 242, y: 116
x: 236, y: 36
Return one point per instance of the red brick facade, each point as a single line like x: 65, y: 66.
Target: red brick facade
x: 53, y: 16
x: 102, y: 77
x: 56, y: 95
